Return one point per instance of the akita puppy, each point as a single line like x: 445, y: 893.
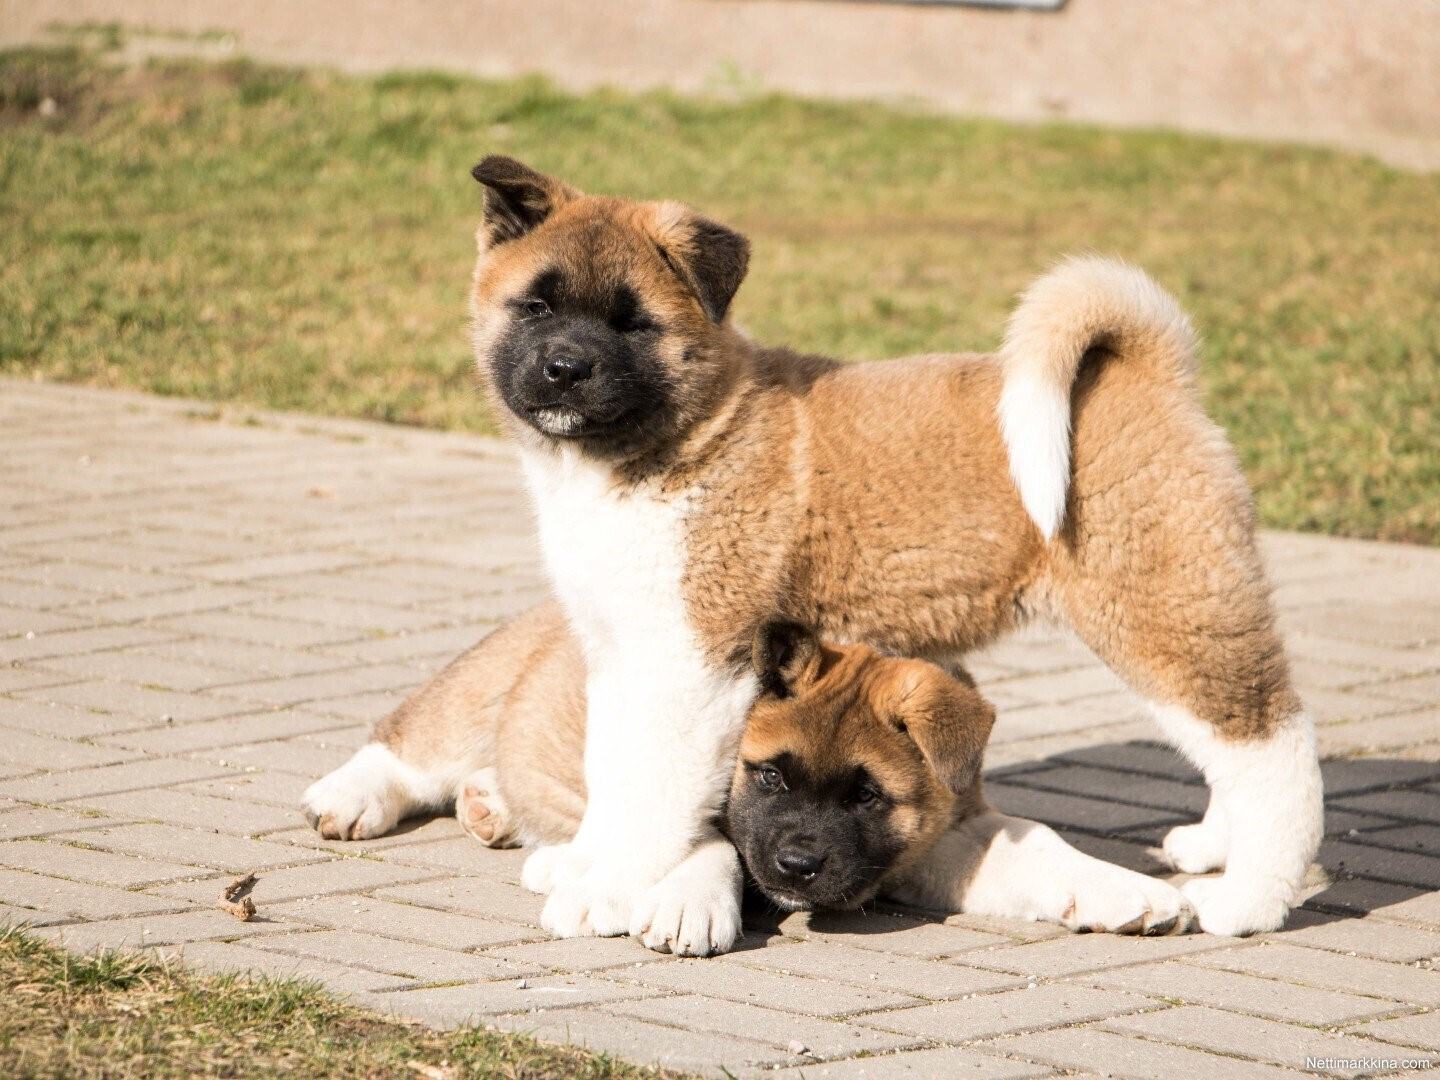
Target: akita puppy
x: 858, y: 775
x: 691, y: 485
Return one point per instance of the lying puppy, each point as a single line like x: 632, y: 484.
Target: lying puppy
x: 857, y: 775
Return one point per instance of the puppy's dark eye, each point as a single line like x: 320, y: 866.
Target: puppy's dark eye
x: 865, y: 795
x: 769, y: 778
x: 535, y: 308
x: 638, y: 325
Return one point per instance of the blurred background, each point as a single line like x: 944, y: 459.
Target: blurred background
x: 269, y: 203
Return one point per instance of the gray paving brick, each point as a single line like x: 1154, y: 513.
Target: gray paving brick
x: 646, y: 1043
x: 936, y: 1062
x: 1414, y: 804
x: 64, y: 859
x: 1087, y: 952
x: 369, y: 915
x: 303, y: 759
x: 1249, y: 1036
x: 74, y: 898
x: 894, y: 932
x: 821, y: 1038
x: 1007, y: 1011
x: 577, y: 954
x: 147, y: 669
x: 151, y: 704
x: 1087, y: 814
x: 249, y: 627
x: 200, y: 847
x: 222, y: 957
x: 80, y: 783
x: 456, y: 1006
x: 192, y: 810
x: 1370, y: 937
x: 928, y: 979
x: 64, y: 721
x: 473, y: 897
x: 813, y: 997
x: 1241, y: 993
x: 276, y: 789
x: 1119, y: 1056
x: 1418, y: 1029
x: 69, y: 642
x: 225, y: 732
x: 31, y: 753
x: 298, y: 689
x: 1354, y: 857
x: 292, y: 883
x: 422, y: 963
x: 143, y: 931
x: 24, y: 822
x: 1314, y: 967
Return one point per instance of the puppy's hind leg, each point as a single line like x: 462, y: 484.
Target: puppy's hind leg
x: 483, y: 812
x: 370, y: 794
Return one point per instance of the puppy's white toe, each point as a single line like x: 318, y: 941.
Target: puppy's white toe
x: 547, y: 866
x: 695, y: 909
x: 1125, y: 902
x: 361, y: 799
x: 1195, y: 849
x: 1231, y: 908
x: 482, y: 810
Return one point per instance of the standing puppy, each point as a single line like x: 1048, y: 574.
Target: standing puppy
x: 690, y: 484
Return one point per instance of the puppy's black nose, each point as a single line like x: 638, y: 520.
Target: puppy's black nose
x: 565, y: 370
x: 798, y: 865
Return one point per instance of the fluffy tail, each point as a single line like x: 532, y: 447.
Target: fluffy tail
x: 1085, y: 302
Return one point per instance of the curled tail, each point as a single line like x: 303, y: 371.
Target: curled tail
x: 1084, y: 303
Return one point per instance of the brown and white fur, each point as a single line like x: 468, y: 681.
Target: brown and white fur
x: 869, y: 766
x: 690, y: 484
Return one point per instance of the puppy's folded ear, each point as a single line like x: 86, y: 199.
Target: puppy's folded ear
x: 708, y: 257
x: 787, y: 658
x: 517, y: 198
x: 949, y: 721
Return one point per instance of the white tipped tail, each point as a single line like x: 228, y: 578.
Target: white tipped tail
x: 1086, y: 301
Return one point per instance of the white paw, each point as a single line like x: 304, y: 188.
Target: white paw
x: 595, y: 902
x: 695, y: 909
x: 1120, y: 901
x: 359, y: 800
x: 546, y: 865
x: 1196, y: 849
x: 1232, y: 908
x: 482, y: 811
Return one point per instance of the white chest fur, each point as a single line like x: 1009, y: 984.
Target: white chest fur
x: 616, y: 557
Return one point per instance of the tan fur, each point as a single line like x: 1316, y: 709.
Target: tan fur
x: 874, y: 501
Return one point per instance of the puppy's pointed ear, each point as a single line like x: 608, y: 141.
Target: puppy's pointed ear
x: 517, y: 198
x: 947, y: 720
x: 787, y: 658
x: 708, y: 257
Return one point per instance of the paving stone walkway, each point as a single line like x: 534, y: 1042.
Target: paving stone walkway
x: 202, y: 611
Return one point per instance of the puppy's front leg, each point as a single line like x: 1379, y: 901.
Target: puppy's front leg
x: 661, y: 735
x: 993, y: 864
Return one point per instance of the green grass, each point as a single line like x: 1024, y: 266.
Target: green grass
x: 130, y: 1017
x: 302, y: 240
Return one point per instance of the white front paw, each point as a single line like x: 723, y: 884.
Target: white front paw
x: 695, y: 909
x: 596, y: 902
x: 1195, y: 849
x: 357, y: 801
x: 1119, y: 901
x: 1232, y: 908
x: 546, y: 865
